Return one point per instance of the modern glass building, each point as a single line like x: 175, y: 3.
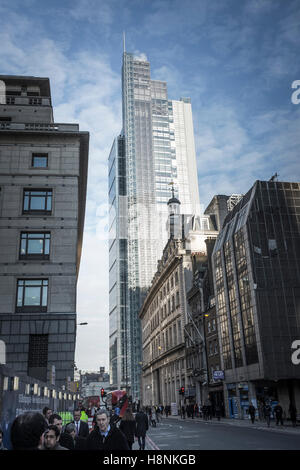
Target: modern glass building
x: 256, y: 263
x: 156, y: 148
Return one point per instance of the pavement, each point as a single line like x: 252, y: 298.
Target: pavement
x: 287, y: 428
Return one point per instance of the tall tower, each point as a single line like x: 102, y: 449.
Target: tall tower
x: 158, y: 148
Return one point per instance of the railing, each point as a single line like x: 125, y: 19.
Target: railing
x: 38, y: 126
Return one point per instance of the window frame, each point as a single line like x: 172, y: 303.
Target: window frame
x: 32, y: 308
x: 42, y: 154
x: 34, y: 256
x: 29, y: 211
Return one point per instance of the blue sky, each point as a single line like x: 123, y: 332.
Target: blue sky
x: 236, y: 60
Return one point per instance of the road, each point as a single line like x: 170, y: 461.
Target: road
x: 177, y: 434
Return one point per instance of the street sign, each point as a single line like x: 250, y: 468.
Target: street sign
x: 219, y: 375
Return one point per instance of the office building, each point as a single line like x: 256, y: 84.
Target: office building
x: 155, y: 148
x: 43, y: 177
x: 256, y: 263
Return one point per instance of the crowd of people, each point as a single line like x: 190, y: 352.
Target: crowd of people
x: 45, y: 431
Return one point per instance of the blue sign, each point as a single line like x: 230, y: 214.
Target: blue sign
x: 219, y: 375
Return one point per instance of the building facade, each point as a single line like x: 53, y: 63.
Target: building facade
x: 43, y: 168
x: 158, y: 149
x: 256, y: 263
x: 166, y: 313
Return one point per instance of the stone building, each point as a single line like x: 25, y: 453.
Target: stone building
x: 165, y: 312
x: 43, y: 177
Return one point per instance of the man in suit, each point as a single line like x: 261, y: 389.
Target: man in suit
x: 81, y: 428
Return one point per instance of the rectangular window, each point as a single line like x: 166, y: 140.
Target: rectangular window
x: 38, y: 356
x: 32, y: 295
x: 35, y: 245
x: 37, y: 201
x: 39, y: 160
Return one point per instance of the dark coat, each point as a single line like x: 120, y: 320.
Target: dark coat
x: 66, y: 440
x: 251, y: 410
x: 142, y: 425
x: 84, y: 429
x: 115, y: 440
x: 128, y: 429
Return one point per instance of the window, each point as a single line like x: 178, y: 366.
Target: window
x: 39, y: 160
x: 38, y: 357
x: 37, y: 201
x: 35, y: 245
x: 32, y: 295
x: 208, y: 327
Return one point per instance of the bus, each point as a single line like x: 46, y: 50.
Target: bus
x: 117, y: 400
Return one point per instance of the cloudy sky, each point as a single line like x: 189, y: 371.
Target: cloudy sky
x: 237, y: 61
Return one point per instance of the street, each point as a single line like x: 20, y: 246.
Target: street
x: 177, y: 434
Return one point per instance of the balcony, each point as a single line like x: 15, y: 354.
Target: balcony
x: 38, y: 127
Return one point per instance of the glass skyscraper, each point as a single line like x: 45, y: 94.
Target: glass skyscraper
x: 155, y: 148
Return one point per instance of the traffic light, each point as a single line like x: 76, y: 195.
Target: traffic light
x: 181, y: 391
x: 102, y: 392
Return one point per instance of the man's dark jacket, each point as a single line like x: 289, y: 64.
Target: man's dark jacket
x: 83, y: 430
x: 115, y: 440
x: 141, y: 424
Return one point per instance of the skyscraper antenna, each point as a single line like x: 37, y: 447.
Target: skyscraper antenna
x: 124, y: 48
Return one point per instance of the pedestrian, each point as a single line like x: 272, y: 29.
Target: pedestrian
x: 6, y: 427
x: 293, y: 414
x: 153, y: 417
x: 27, y: 431
x: 128, y: 427
x: 141, y: 427
x: 196, y: 410
x: 218, y: 412
x: 251, y: 412
x: 183, y: 412
x: 1, y: 440
x: 82, y: 428
x: 51, y: 439
x: 47, y: 412
x: 267, y: 413
x: 192, y: 411
x: 65, y: 440
x: 105, y: 436
x: 278, y: 414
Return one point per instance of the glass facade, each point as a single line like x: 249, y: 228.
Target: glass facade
x: 139, y: 188
x: 258, y: 284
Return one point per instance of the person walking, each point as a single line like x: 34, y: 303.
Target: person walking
x: 278, y: 414
x: 267, y: 413
x: 51, y: 439
x: 128, y: 427
x: 27, y: 431
x: 251, y: 412
x: 218, y: 412
x: 141, y: 428
x: 293, y: 414
x: 183, y: 412
x: 105, y: 436
x: 82, y: 428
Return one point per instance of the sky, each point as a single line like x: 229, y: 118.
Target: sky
x: 236, y: 60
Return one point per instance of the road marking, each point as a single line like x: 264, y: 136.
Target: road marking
x: 152, y: 444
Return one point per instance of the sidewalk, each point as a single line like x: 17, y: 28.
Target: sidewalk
x: 261, y: 425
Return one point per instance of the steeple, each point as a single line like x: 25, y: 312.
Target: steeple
x: 174, y: 225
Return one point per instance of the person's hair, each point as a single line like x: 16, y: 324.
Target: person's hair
x: 27, y: 429
x: 128, y: 416
x: 70, y: 428
x: 103, y: 411
x: 53, y: 417
x: 77, y: 409
x: 45, y: 410
x: 54, y: 428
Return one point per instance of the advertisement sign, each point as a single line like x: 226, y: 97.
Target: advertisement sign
x: 219, y: 375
